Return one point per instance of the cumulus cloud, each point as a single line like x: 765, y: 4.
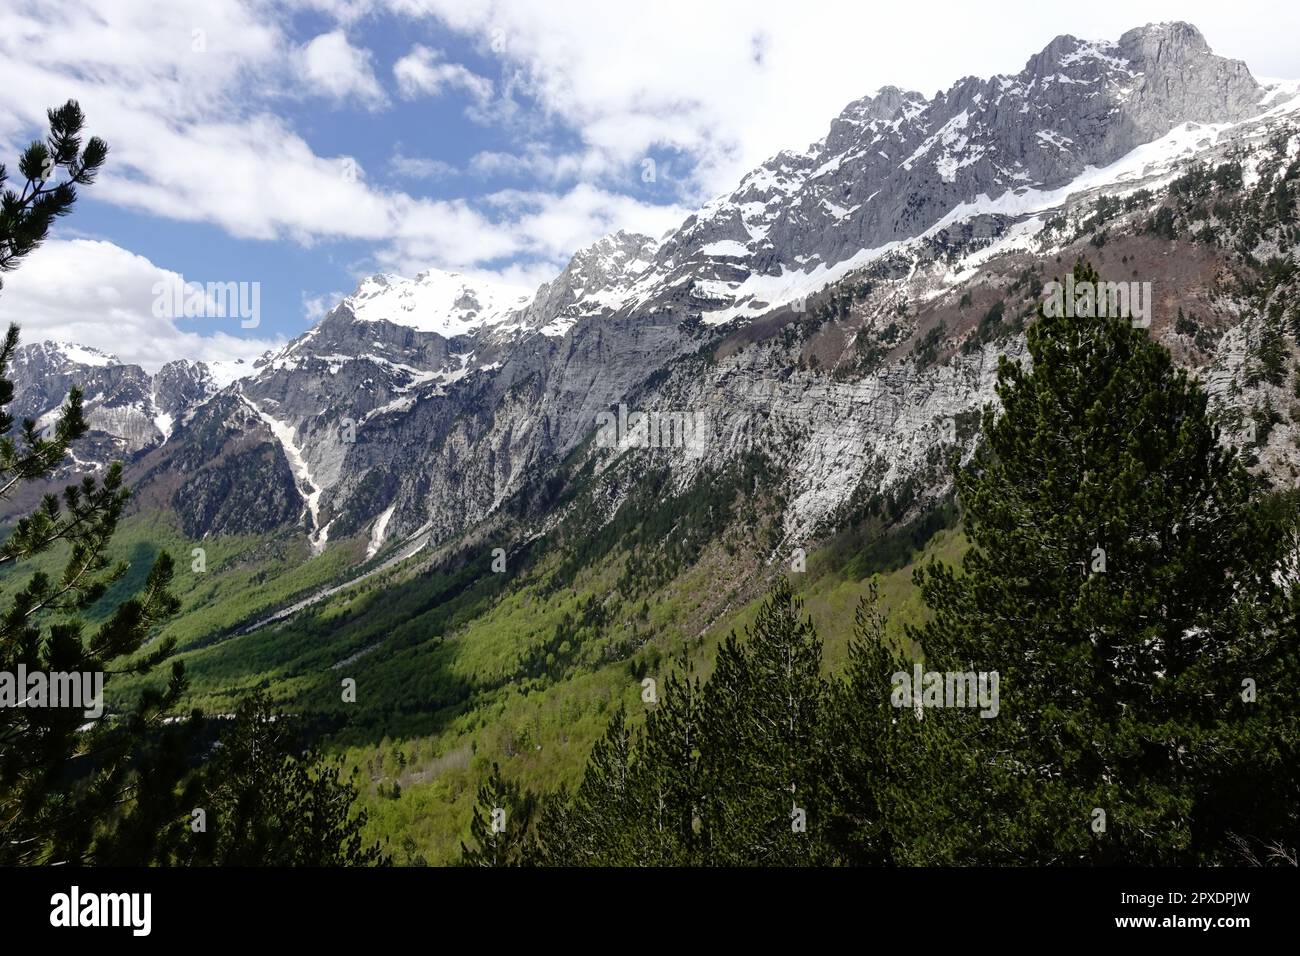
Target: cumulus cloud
x: 333, y: 67
x: 560, y: 224
x: 424, y: 72
x: 95, y: 293
x: 547, y: 228
x: 538, y: 161
x: 192, y: 142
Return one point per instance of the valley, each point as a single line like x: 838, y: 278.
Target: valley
x: 439, y: 491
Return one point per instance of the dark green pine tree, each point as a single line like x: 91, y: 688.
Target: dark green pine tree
x: 266, y: 802
x: 52, y: 170
x: 731, y: 772
x: 667, y: 780
x: 1271, y: 351
x: 901, y: 788
x: 765, y: 799
x: 1122, y: 581
x: 869, y: 761
x: 64, y: 784
x: 642, y: 795
x: 502, y: 824
x: 598, y: 826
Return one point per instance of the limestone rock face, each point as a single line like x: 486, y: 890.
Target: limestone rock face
x: 128, y: 409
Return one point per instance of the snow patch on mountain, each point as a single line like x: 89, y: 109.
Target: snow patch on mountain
x: 85, y: 355
x: 435, y: 301
x: 1146, y: 165
x: 70, y: 352
x: 226, y: 372
x: 310, y: 491
x: 164, y: 423
x: 378, y: 531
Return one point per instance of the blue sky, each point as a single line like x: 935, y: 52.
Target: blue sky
x: 422, y: 146
x: 492, y: 137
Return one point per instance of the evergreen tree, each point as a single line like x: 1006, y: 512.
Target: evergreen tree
x: 668, y: 781
x: 902, y: 787
x: 62, y: 785
x: 27, y: 214
x: 266, y: 803
x: 598, y: 826
x: 1122, y: 581
x: 761, y: 740
x: 725, y: 773
x: 1271, y: 352
x: 862, y: 762
x: 641, y: 795
x: 501, y: 826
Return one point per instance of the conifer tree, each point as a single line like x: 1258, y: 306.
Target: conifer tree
x: 52, y: 170
x: 266, y: 802
x: 1123, y: 581
x: 1271, y: 351
x: 502, y: 823
x: 63, y: 783
x: 728, y: 772
x: 862, y: 764
x: 761, y: 739
x: 598, y: 826
x: 668, y: 780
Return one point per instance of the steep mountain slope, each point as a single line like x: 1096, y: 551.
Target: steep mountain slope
x: 622, y: 559
x: 894, y: 165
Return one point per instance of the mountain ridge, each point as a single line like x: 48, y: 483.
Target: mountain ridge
x: 389, y: 424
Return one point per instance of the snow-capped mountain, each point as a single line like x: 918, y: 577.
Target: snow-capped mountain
x: 893, y: 165
x: 593, y: 284
x: 417, y: 407
x: 128, y: 409
x: 434, y: 301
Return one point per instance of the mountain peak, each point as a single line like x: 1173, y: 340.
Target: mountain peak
x: 70, y: 352
x: 1177, y: 33
x: 435, y: 300
x: 1137, y: 49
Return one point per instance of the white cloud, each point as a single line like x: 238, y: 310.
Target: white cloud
x: 540, y: 162
x: 191, y: 142
x: 91, y: 292
x: 559, y: 225
x: 419, y: 167
x: 343, y: 12
x: 335, y: 68
x: 546, y: 229
x: 423, y: 72
x: 315, y: 307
